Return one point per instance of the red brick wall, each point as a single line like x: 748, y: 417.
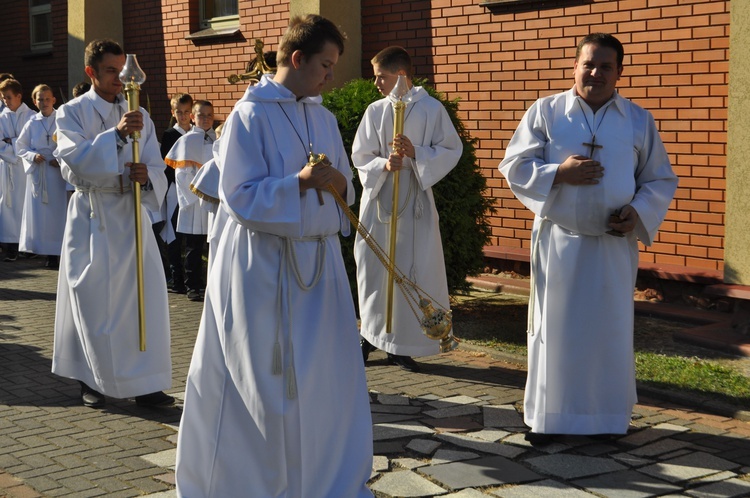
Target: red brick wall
x: 174, y: 64
x: 32, y: 69
x: 676, y: 66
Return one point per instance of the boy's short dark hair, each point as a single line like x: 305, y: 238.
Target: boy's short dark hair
x: 81, y: 88
x: 96, y: 49
x: 393, y: 59
x: 308, y: 34
x: 603, y: 40
x: 11, y: 85
x: 6, y: 76
x: 197, y: 104
x: 181, y: 98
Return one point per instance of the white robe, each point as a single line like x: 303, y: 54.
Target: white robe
x: 242, y: 432
x: 419, y: 249
x: 206, y: 186
x: 186, y: 156
x: 581, y: 376
x: 96, y: 321
x: 12, y: 175
x: 45, y: 207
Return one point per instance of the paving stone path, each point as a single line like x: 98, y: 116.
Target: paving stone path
x: 453, y: 430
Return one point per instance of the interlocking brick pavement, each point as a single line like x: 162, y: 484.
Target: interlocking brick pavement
x: 459, y: 416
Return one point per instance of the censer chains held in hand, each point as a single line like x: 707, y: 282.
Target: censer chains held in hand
x: 436, y: 322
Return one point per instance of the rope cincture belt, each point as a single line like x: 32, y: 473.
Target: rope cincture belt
x: 93, y: 194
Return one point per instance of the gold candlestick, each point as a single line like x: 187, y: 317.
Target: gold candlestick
x: 133, y: 77
x: 399, y: 106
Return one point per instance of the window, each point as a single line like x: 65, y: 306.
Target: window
x: 218, y: 14
x: 40, y: 21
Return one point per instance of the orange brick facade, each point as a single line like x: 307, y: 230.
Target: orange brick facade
x: 497, y: 62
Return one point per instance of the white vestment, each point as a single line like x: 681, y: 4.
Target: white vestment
x: 419, y: 249
x: 186, y: 156
x: 206, y: 186
x: 45, y: 207
x: 12, y: 175
x: 253, y: 427
x: 581, y: 376
x: 96, y: 321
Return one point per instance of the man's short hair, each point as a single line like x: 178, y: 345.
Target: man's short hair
x: 11, y: 85
x: 308, y: 34
x: 603, y: 40
x: 393, y: 59
x: 96, y: 49
x: 41, y: 88
x: 181, y: 98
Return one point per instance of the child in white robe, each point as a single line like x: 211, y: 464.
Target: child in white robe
x: 44, y: 211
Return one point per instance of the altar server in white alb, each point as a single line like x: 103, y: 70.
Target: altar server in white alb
x: 96, y: 321
x: 276, y: 401
x: 425, y: 153
x: 46, y: 201
x: 189, y: 153
x: 592, y: 168
x: 12, y: 174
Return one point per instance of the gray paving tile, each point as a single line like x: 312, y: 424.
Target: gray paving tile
x: 381, y: 432
x: 626, y: 484
x: 519, y: 440
x: 573, y: 466
x: 409, y: 463
x: 466, y: 493
x: 542, y: 489
x: 730, y: 488
x: 446, y: 456
x: 654, y: 433
x: 423, y: 446
x: 660, y: 447
x: 488, y: 434
x: 501, y: 449
x: 489, y: 471
x: 452, y: 411
x: 692, y: 466
x: 380, y: 463
x: 453, y: 401
x: 502, y: 416
x: 393, y: 399
x: 406, y: 484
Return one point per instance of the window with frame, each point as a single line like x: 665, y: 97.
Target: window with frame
x: 218, y: 14
x: 40, y: 23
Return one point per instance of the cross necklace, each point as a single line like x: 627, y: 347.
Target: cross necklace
x: 307, y: 125
x: 593, y: 145
x: 46, y: 130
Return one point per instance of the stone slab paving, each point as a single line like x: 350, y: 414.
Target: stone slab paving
x: 453, y: 430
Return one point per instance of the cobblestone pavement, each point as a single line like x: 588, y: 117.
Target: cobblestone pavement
x: 452, y: 430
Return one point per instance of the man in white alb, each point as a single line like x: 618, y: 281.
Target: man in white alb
x: 592, y: 168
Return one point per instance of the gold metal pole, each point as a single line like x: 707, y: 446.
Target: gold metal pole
x: 398, y: 129
x: 132, y: 91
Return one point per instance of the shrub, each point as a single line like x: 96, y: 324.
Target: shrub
x: 459, y: 196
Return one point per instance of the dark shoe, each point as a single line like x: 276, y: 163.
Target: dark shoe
x: 194, y: 295
x: 11, y: 257
x: 53, y: 262
x: 90, y: 397
x: 537, y: 439
x: 367, y: 348
x: 154, y: 400
x: 177, y: 290
x: 404, y: 362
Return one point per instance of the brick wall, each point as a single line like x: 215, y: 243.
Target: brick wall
x: 30, y: 68
x: 156, y: 31
x: 499, y: 62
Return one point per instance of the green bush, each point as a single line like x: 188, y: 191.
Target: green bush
x: 459, y: 196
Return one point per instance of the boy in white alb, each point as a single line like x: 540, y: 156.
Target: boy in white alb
x: 44, y: 211
x: 12, y: 175
x: 189, y: 153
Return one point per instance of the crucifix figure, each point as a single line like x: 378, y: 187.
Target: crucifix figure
x: 592, y: 146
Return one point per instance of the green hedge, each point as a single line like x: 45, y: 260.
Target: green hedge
x: 459, y: 198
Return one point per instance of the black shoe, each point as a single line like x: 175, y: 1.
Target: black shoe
x: 90, y: 397
x: 404, y: 362
x: 367, y: 348
x: 154, y: 399
x: 10, y: 258
x: 194, y: 295
x: 53, y: 262
x: 537, y: 439
x: 177, y: 290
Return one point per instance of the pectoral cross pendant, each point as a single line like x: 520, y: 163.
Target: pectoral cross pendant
x: 47, y: 138
x: 592, y: 146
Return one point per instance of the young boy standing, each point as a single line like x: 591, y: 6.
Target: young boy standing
x: 46, y: 202
x: 428, y: 150
x: 12, y: 175
x: 190, y: 152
